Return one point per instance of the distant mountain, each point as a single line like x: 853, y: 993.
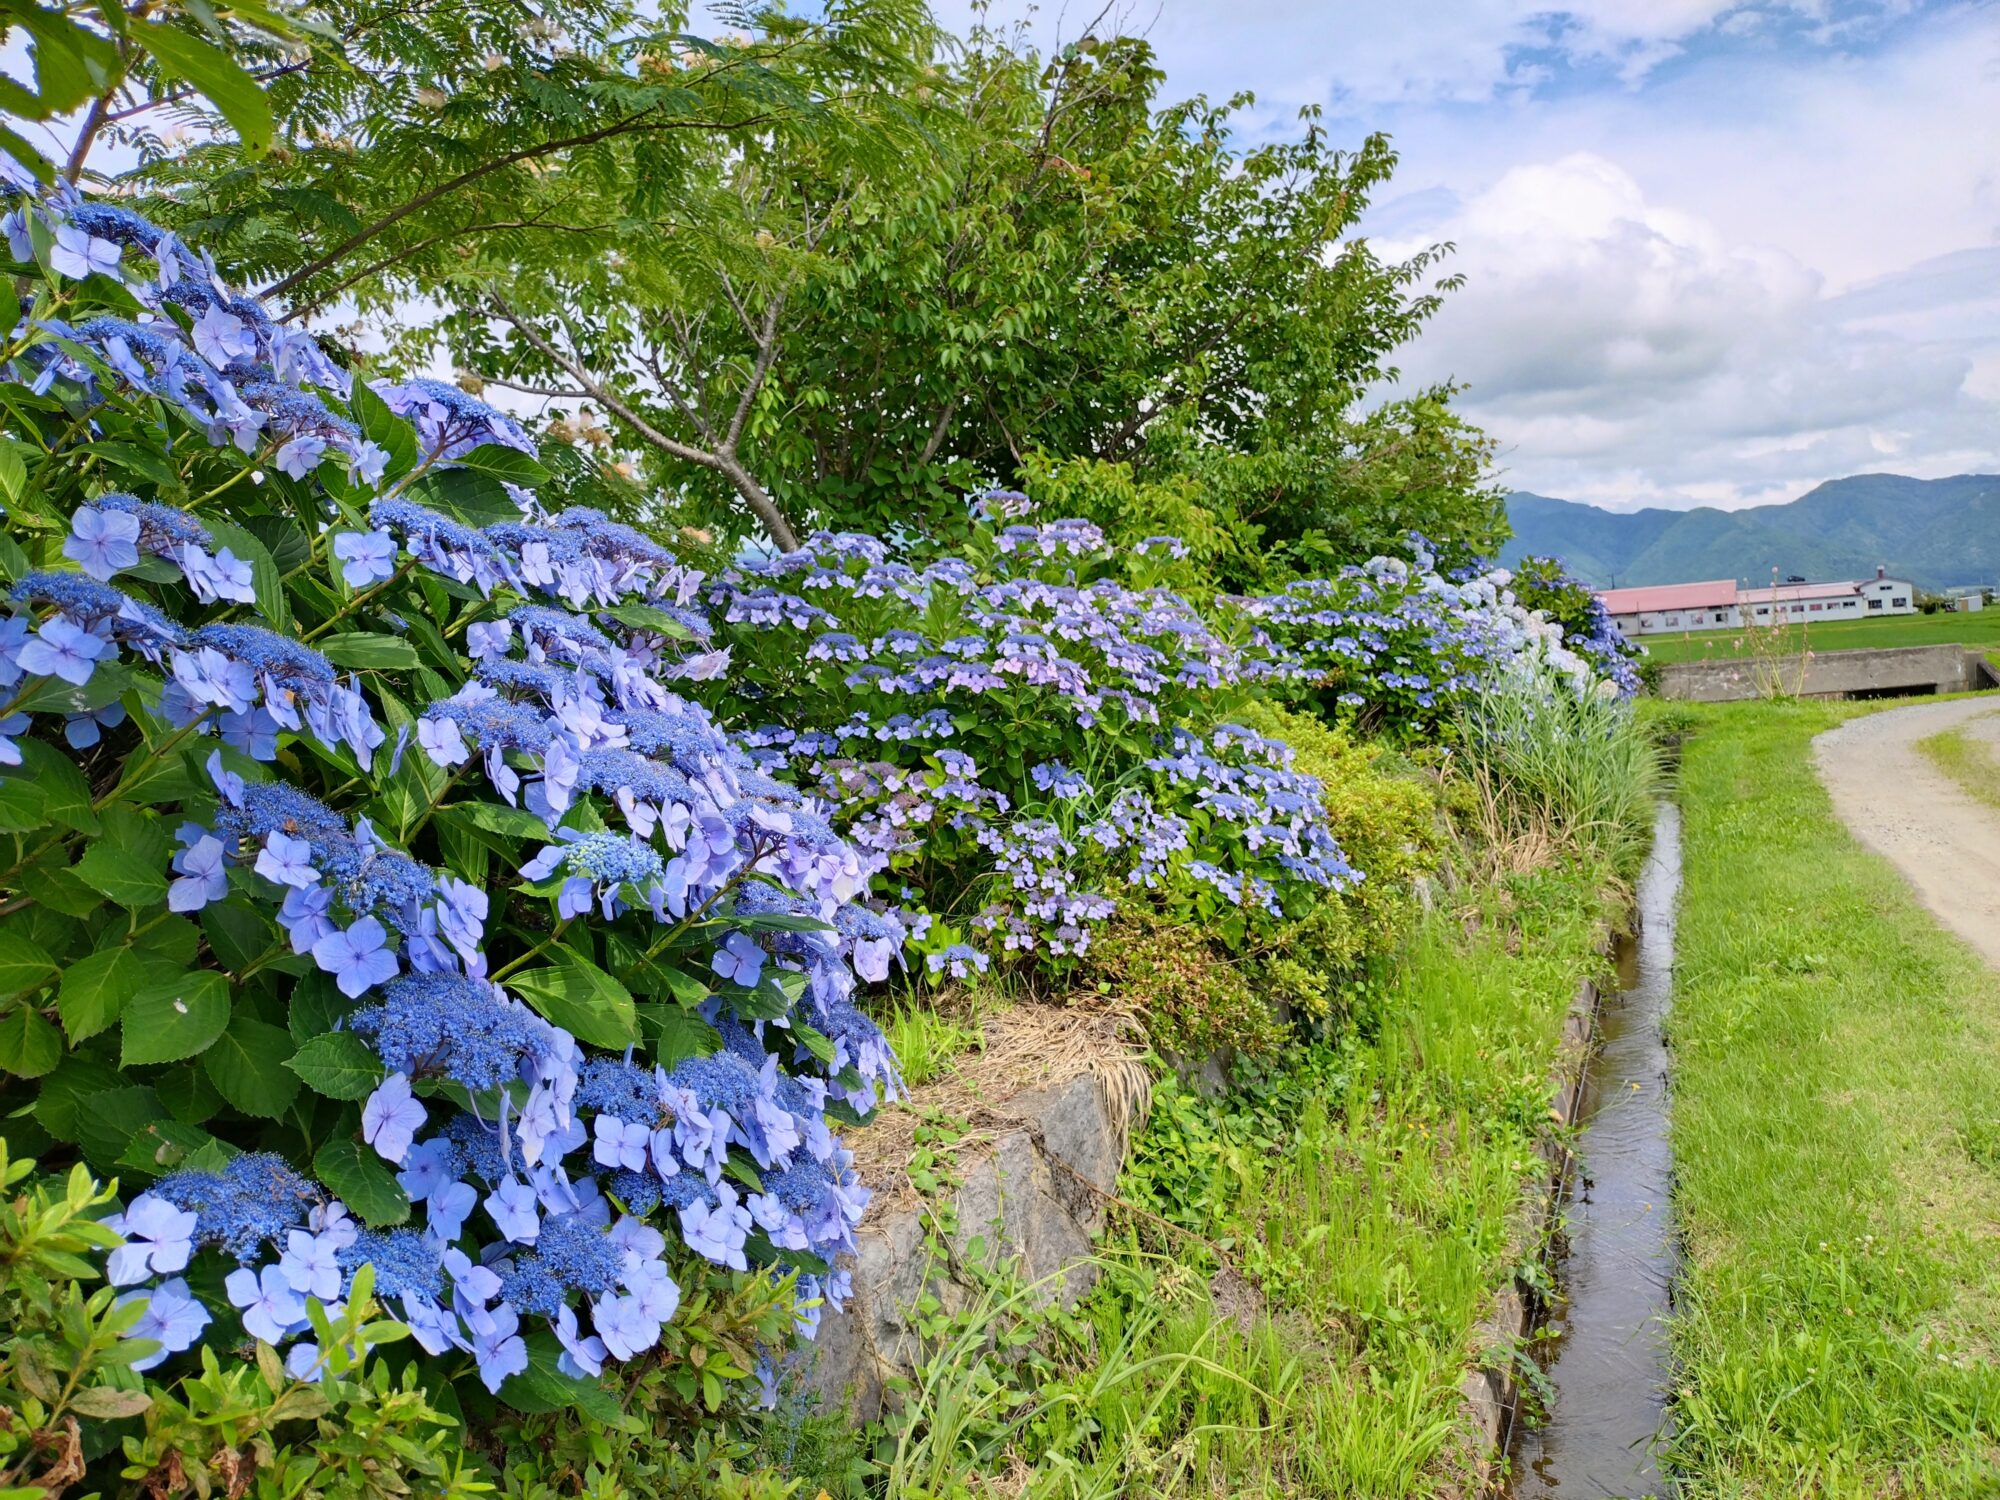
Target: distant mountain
x: 1937, y: 532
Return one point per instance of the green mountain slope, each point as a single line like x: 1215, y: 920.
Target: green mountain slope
x: 1938, y: 532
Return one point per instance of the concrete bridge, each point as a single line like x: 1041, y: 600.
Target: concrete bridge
x: 1902, y: 671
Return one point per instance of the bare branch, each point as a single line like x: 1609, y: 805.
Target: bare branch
x: 722, y: 462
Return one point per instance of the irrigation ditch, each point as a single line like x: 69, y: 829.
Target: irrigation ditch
x: 1597, y: 1345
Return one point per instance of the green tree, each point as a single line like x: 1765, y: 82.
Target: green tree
x: 441, y: 166
x: 1080, y: 274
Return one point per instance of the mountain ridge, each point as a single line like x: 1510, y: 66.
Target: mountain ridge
x: 1936, y: 532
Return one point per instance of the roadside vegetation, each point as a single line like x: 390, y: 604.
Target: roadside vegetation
x: 1978, y: 630
x: 1967, y: 758
x: 1837, y: 1146
x: 1295, y: 1267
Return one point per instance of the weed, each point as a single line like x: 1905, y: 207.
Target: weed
x: 1560, y: 780
x: 1968, y: 760
x: 925, y: 1040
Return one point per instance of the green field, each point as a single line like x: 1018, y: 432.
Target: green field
x: 1837, y: 1145
x: 1979, y: 630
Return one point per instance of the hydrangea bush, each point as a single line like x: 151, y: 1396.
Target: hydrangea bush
x: 1400, y: 647
x: 1544, y: 584
x: 1022, y: 739
x: 374, y: 893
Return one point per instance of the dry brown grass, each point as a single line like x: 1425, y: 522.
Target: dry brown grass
x: 1024, y: 1048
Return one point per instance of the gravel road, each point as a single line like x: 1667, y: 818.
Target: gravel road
x: 1946, y: 844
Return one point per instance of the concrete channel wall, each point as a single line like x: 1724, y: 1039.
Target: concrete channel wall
x: 1831, y: 674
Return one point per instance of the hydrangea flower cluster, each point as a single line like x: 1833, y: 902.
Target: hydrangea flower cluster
x: 1402, y: 643
x: 948, y: 712
x: 524, y: 1144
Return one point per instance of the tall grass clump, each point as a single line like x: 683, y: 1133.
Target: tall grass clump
x: 1559, y: 776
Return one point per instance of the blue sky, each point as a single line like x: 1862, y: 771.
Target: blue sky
x: 1717, y: 251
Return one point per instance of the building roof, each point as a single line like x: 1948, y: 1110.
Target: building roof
x: 1718, y: 594
x: 1786, y: 593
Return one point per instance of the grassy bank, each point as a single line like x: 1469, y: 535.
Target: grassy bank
x: 1968, y: 760
x: 1296, y: 1267
x: 1980, y: 630
x: 1837, y: 1140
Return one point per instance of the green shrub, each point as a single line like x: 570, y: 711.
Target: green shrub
x: 1385, y: 815
x: 1194, y: 999
x: 71, y: 1393
x: 1561, y: 776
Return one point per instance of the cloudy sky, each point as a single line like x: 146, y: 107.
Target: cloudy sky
x: 1717, y: 250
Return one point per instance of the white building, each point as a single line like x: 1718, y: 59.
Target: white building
x: 1721, y: 605
x: 1810, y: 603
x: 1673, y: 607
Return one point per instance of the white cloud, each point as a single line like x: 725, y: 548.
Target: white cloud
x: 1717, y: 250
x: 1626, y: 351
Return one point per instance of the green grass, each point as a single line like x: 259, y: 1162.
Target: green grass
x: 1966, y: 760
x: 1836, y: 1120
x: 1978, y: 630
x: 1365, y: 1194
x: 927, y: 1042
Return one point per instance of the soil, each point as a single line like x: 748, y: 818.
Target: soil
x: 1945, y: 843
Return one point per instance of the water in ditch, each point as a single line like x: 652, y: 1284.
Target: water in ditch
x: 1606, y: 1364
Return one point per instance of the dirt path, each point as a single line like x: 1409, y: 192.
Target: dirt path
x: 1901, y: 806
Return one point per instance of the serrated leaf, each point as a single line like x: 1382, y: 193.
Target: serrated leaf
x: 95, y: 989
x: 247, y: 1063
x: 493, y: 817
x: 339, y: 1065
x: 29, y: 1045
x: 23, y: 806
x: 317, y: 1007
x: 778, y: 921
x: 188, y: 1095
x: 386, y: 430
x: 543, y: 1387
x: 502, y: 462
x: 174, y: 1018
x: 118, y: 875
x: 676, y: 1035
x: 238, y: 931
x: 575, y: 994
x: 647, y: 617
x: 467, y: 495
x: 162, y: 1146
x: 365, y: 649
x: 361, y: 1181
x: 128, y: 861
x: 65, y: 794
x: 24, y: 964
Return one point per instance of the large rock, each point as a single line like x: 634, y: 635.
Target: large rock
x: 1035, y: 1199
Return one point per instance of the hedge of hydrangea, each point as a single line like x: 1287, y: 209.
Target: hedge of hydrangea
x: 1401, y: 646
x: 1545, y: 585
x: 1039, y: 730
x: 375, y: 891
x: 406, y: 873
x: 1024, y: 739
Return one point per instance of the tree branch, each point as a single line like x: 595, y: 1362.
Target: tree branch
x: 722, y: 461
x: 767, y: 354
x: 630, y: 125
